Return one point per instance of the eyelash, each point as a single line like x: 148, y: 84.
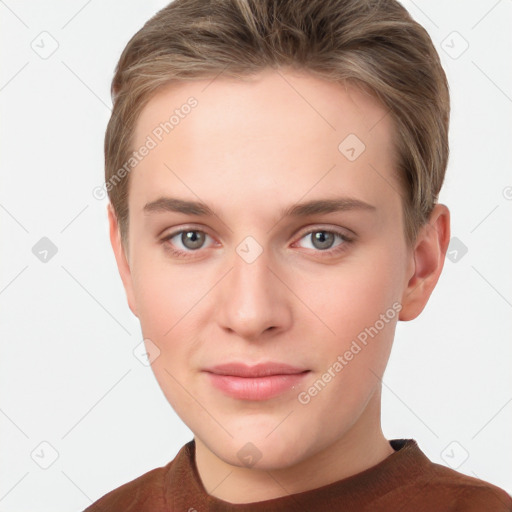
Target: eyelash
x: 338, y: 249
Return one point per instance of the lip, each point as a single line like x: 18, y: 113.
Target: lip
x: 256, y: 382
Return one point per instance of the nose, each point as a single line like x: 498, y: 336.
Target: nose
x: 253, y: 302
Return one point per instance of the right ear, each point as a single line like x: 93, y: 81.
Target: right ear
x: 121, y: 258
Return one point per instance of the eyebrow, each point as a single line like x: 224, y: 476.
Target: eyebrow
x: 313, y: 207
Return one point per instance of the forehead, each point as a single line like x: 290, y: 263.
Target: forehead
x: 278, y: 133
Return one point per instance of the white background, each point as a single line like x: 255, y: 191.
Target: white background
x: 68, y: 374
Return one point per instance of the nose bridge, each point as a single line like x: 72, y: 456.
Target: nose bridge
x: 250, y: 274
x: 252, y: 302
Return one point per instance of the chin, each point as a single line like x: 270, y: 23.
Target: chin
x: 258, y: 448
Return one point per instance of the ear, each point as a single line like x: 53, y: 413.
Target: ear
x: 427, y: 262
x: 121, y: 258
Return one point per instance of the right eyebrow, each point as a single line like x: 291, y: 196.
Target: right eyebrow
x: 171, y: 204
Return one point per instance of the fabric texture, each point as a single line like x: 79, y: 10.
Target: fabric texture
x: 406, y: 481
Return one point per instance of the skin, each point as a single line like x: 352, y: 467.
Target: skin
x: 249, y: 150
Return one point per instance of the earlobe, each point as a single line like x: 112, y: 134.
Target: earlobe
x: 121, y: 258
x: 429, y: 255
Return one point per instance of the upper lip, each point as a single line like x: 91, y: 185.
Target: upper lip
x: 257, y: 370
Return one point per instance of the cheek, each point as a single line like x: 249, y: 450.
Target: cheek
x: 167, y: 301
x: 159, y: 292
x: 359, y: 304
x: 354, y: 294
x: 358, y: 300
x: 171, y: 297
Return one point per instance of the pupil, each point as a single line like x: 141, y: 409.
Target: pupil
x: 323, y: 239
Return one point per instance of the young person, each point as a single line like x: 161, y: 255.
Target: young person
x: 273, y: 169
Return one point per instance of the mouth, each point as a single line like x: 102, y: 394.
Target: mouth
x: 257, y: 382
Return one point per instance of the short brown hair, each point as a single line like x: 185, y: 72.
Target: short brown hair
x: 373, y: 43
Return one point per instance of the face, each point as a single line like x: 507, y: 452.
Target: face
x: 266, y: 229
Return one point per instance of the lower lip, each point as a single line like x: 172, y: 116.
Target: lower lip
x: 256, y: 388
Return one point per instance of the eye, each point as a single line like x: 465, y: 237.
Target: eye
x: 186, y: 240
x: 324, y: 240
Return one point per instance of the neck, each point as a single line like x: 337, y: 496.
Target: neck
x: 362, y: 447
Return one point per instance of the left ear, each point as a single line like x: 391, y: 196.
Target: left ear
x: 428, y: 261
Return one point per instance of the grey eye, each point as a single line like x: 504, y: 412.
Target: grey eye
x: 322, y: 239
x: 193, y: 239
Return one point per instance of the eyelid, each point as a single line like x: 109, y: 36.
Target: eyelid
x: 184, y: 229
x: 332, y: 252
x: 305, y: 231
x: 337, y: 231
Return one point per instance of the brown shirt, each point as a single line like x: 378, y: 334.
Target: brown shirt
x: 406, y: 481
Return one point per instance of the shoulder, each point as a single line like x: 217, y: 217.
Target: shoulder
x: 445, y: 490
x: 421, y: 485
x: 468, y: 493
x: 144, y: 493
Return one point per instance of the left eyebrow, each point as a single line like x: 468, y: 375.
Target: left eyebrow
x: 313, y: 207
x: 320, y: 206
